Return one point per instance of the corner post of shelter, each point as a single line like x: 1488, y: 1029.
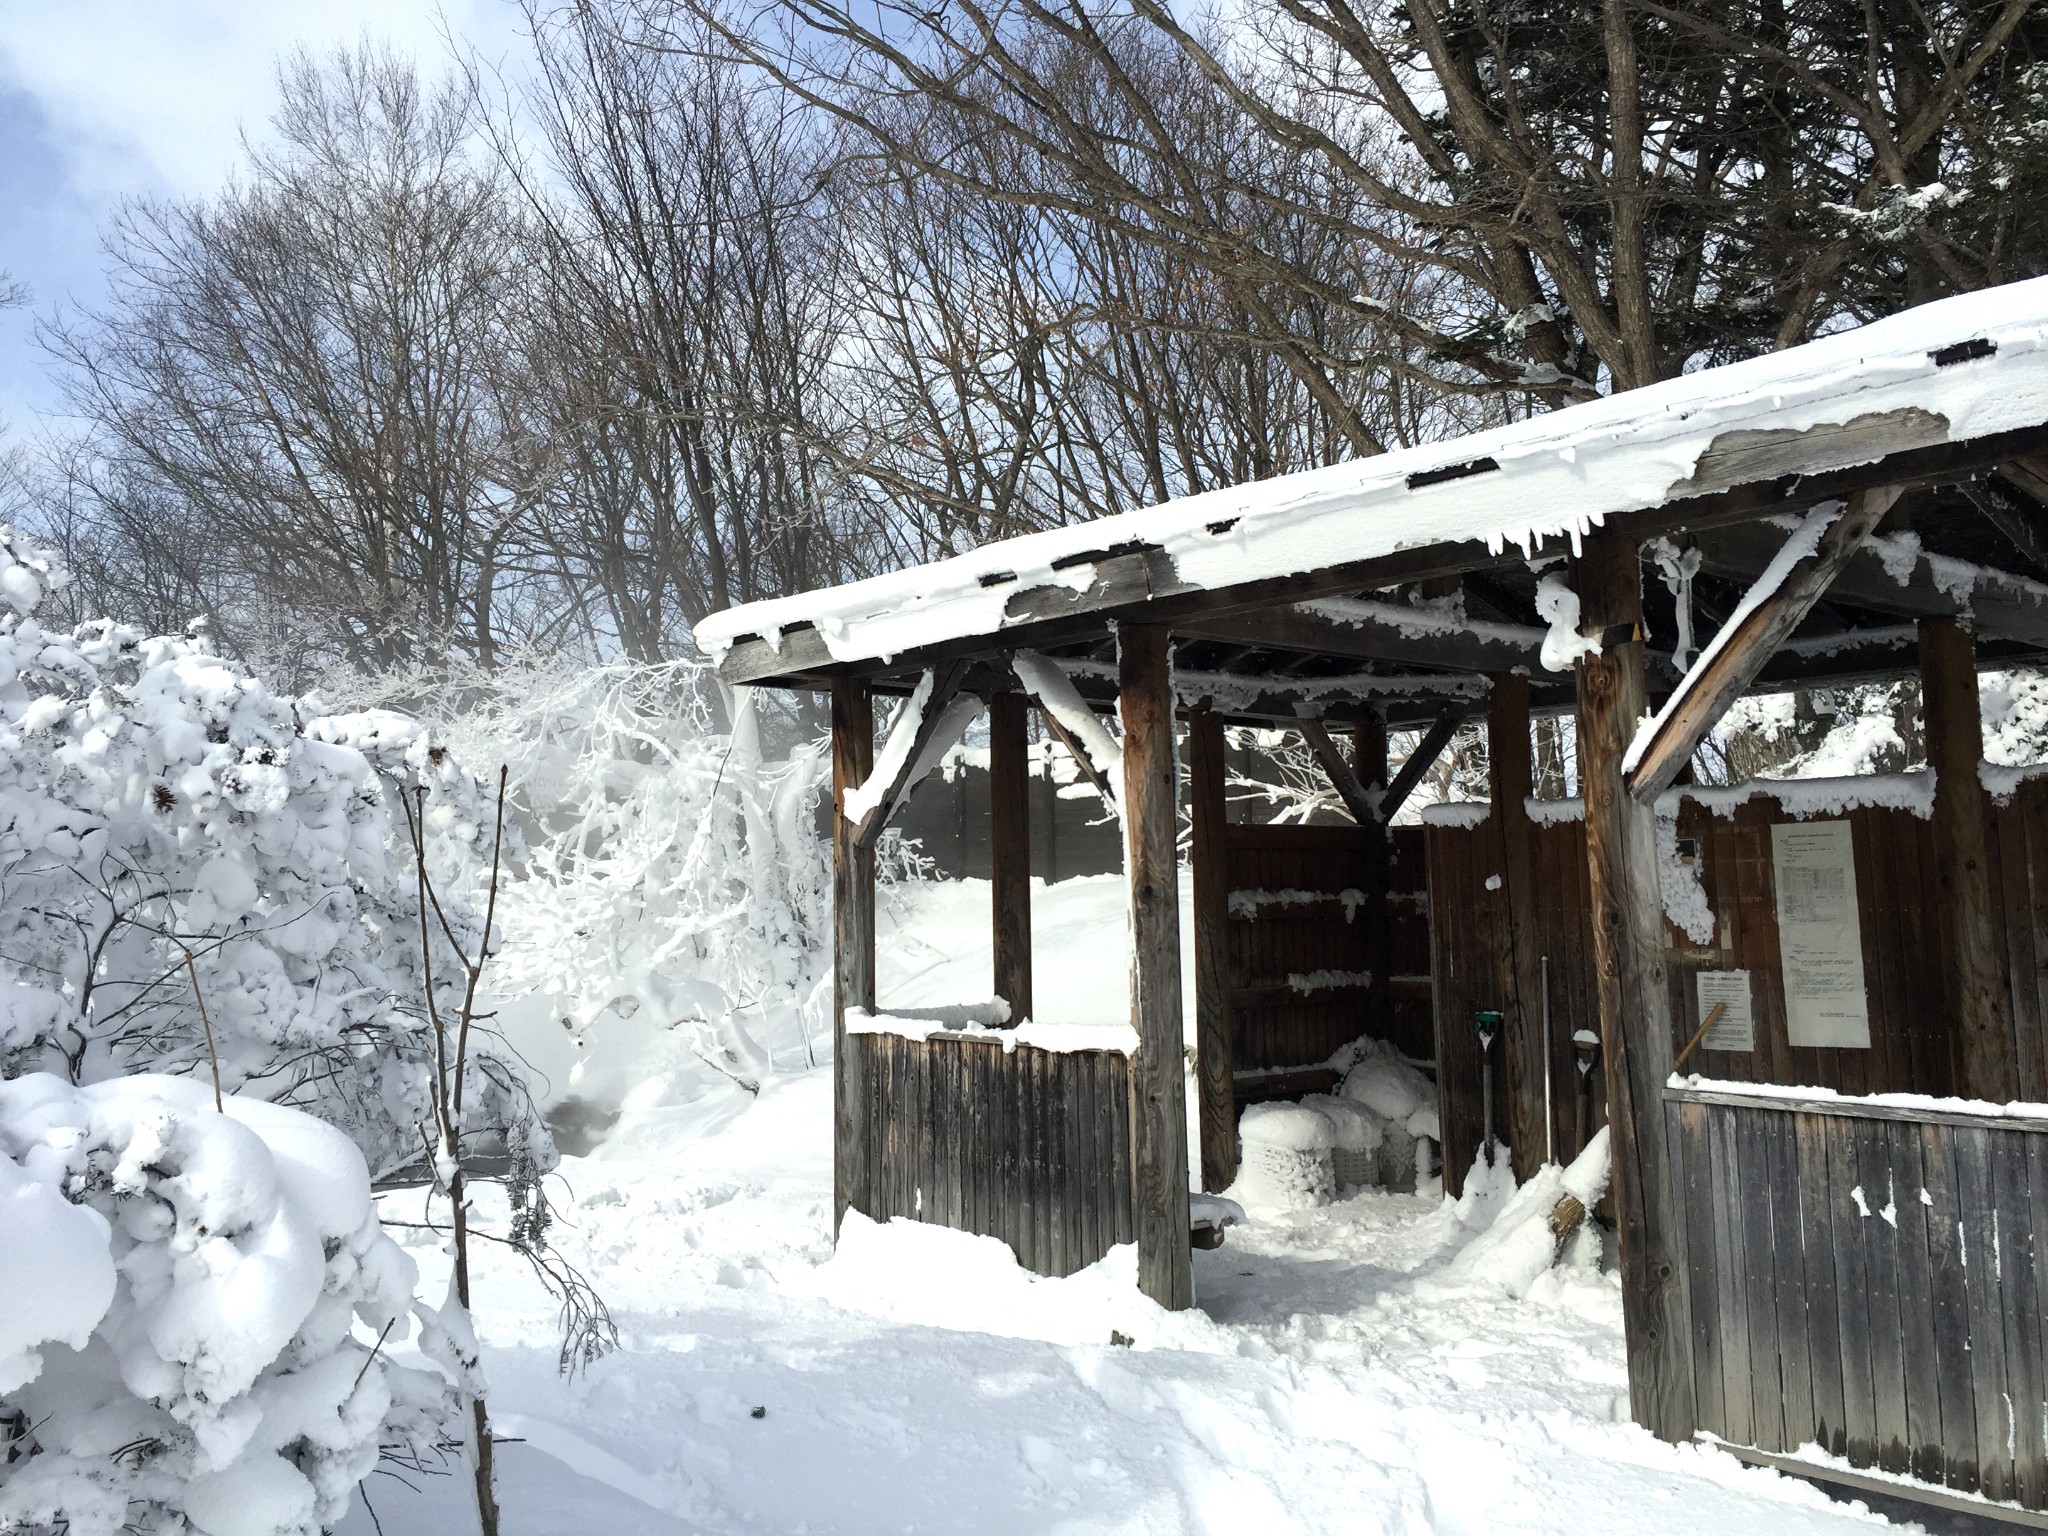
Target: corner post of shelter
x: 1986, y: 1061
x: 1159, y: 1162
x: 1209, y: 853
x: 1369, y: 763
x: 1009, y: 849
x: 1511, y: 776
x: 1635, y: 1005
x: 853, y: 942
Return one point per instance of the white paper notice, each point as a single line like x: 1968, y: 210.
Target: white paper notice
x: 1820, y: 940
x: 1735, y: 1030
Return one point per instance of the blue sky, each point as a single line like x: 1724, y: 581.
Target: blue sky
x: 102, y: 100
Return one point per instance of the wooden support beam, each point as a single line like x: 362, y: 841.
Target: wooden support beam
x: 1635, y: 1003
x: 1009, y: 848
x: 1980, y: 1005
x: 2013, y: 515
x: 1159, y: 1161
x: 1215, y: 1052
x: 1363, y: 806
x: 1369, y: 763
x: 1740, y: 651
x: 853, y: 945
x: 1511, y: 776
x: 1420, y: 761
x: 1079, y: 753
x: 1372, y: 632
x: 946, y: 678
x: 2009, y: 609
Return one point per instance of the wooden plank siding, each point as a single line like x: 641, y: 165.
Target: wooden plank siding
x: 1275, y: 1027
x: 1912, y: 1048
x: 1867, y: 1283
x: 1029, y: 1146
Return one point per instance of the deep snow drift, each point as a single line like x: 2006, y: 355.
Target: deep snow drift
x: 1342, y: 1373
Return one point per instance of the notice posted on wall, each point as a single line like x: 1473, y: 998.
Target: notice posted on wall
x: 1820, y: 937
x: 1735, y: 1029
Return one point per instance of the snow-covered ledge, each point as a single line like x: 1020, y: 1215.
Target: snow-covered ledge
x: 984, y: 1022
x: 1919, y: 1108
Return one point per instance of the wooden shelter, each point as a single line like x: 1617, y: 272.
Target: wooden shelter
x: 1872, y: 505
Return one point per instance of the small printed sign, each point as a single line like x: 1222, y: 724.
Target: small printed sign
x: 1735, y: 1029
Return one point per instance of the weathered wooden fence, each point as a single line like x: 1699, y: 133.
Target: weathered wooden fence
x: 1864, y: 1277
x: 1030, y: 1146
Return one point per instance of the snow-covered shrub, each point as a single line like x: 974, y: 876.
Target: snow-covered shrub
x: 673, y: 873
x: 198, y: 875
x: 178, y: 1292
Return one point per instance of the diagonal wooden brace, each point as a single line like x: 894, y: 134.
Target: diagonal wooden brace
x: 1751, y: 638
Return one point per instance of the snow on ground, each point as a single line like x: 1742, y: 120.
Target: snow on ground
x: 1336, y: 1377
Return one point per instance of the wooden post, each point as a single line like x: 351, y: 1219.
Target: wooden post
x: 1986, y: 1064
x: 853, y: 944
x: 1159, y: 1137
x: 1511, y: 773
x: 1009, y: 848
x: 1369, y: 763
x: 1635, y: 1004
x: 1215, y: 1058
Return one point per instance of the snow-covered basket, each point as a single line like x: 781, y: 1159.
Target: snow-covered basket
x: 179, y: 1293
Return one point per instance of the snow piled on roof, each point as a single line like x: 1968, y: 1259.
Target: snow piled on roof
x: 1559, y: 476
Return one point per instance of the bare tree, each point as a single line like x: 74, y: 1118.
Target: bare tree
x: 319, y: 374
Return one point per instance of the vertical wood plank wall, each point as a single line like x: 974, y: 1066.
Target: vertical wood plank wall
x: 1866, y: 1282
x: 1030, y: 1146
x: 1471, y: 968
x: 1911, y: 1047
x: 1275, y: 1026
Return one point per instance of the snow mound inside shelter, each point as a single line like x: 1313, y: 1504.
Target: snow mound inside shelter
x: 1557, y: 475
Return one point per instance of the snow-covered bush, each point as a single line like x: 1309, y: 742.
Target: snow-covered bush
x: 673, y: 872
x: 178, y: 1292
x: 199, y: 875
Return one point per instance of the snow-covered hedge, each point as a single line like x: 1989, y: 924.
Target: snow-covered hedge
x: 178, y: 1291
x: 674, y: 891
x: 184, y: 852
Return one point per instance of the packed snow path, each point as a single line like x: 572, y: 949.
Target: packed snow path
x: 919, y: 1382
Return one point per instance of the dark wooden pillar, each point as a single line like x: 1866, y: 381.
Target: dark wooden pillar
x: 1635, y: 1004
x: 1215, y: 1056
x: 1511, y: 771
x: 1986, y: 1064
x: 1009, y: 848
x: 853, y: 944
x: 1159, y: 1175
x: 1369, y: 763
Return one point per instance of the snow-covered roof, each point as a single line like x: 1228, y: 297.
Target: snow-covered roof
x: 1953, y: 371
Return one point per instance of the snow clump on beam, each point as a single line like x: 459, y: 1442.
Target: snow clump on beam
x: 1966, y: 367
x: 178, y: 1300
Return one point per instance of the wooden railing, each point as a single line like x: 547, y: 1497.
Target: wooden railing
x: 1030, y: 1146
x: 1862, y: 1275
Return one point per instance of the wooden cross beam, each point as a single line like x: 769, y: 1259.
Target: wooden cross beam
x: 1420, y: 761
x: 1362, y: 803
x: 1372, y: 807
x: 1738, y: 653
x: 946, y: 680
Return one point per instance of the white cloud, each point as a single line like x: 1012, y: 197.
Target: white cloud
x: 151, y: 95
